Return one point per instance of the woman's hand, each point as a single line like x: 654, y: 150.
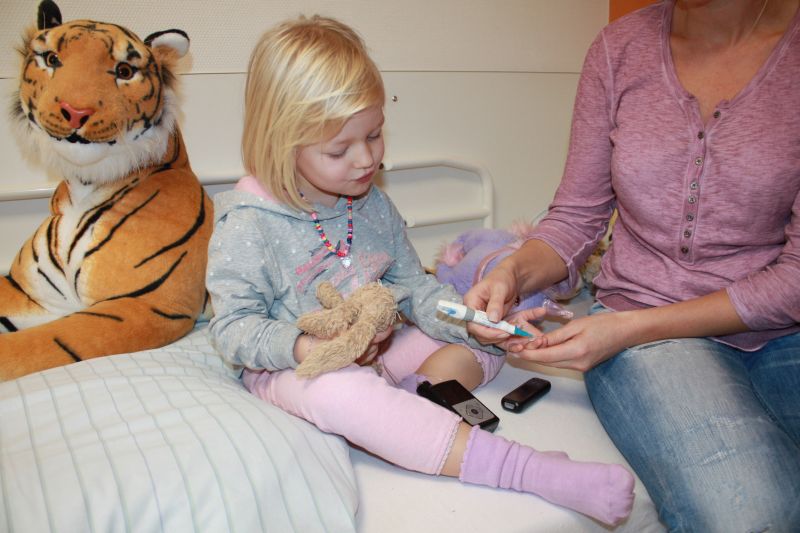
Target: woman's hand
x: 580, y: 344
x: 495, y: 294
x: 375, y: 346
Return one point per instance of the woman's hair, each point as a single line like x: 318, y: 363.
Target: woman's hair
x: 305, y: 79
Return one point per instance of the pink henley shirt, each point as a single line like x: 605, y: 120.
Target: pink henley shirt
x: 702, y: 207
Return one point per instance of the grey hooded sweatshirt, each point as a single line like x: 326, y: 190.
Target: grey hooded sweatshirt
x: 266, y: 260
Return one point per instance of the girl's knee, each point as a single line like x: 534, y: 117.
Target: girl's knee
x: 453, y: 361
x: 343, y: 390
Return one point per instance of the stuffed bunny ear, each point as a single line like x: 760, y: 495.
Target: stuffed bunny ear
x: 451, y: 254
x: 521, y: 229
x: 328, y: 296
x: 176, y: 40
x: 48, y: 15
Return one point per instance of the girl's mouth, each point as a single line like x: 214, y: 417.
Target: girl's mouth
x: 366, y: 178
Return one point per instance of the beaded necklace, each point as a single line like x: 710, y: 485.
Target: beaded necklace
x: 342, y: 254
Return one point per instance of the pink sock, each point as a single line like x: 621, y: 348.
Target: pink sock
x: 602, y: 491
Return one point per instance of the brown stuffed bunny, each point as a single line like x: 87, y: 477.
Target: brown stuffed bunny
x: 349, y: 325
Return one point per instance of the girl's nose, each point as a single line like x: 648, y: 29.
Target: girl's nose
x: 364, y: 157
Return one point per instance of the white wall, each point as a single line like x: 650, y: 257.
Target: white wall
x: 487, y: 81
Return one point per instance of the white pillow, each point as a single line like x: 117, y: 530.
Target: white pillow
x: 163, y: 440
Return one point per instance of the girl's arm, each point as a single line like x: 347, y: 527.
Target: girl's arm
x: 239, y: 281
x: 418, y: 292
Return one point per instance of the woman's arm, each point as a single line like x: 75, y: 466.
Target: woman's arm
x: 578, y: 217
x: 531, y: 268
x: 585, y: 342
x: 767, y: 299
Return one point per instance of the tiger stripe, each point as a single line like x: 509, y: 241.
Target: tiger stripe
x: 119, y: 264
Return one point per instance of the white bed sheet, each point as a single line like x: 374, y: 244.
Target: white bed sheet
x: 397, y: 501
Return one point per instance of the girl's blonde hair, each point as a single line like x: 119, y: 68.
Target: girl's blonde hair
x: 306, y: 78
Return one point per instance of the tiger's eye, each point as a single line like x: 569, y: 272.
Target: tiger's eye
x: 51, y: 59
x: 125, y: 71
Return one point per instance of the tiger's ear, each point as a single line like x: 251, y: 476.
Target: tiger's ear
x: 176, y: 41
x: 48, y: 15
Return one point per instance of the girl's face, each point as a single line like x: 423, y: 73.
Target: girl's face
x: 345, y: 164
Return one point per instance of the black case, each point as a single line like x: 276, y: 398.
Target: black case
x: 454, y: 396
x: 531, y: 390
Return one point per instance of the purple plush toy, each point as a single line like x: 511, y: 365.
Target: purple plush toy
x: 474, y: 253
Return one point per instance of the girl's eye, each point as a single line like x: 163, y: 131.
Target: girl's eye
x: 375, y: 136
x: 337, y: 155
x: 124, y: 71
x: 51, y: 60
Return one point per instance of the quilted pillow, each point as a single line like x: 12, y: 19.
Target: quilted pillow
x: 163, y: 440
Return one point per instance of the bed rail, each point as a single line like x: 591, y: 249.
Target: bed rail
x: 460, y: 213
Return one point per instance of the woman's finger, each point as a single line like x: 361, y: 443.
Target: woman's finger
x: 496, y: 305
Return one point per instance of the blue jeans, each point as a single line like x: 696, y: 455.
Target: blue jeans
x: 713, y: 432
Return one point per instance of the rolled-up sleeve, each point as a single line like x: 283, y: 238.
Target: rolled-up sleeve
x: 770, y: 298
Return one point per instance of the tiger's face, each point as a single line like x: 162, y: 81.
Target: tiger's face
x: 96, y: 102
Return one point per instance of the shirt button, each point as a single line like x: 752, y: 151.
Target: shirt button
x: 684, y: 250
x: 687, y: 233
x: 717, y: 114
x: 689, y: 217
x: 692, y: 199
x: 700, y: 135
x: 693, y: 186
x: 698, y: 161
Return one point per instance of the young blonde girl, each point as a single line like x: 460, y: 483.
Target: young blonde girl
x: 308, y: 212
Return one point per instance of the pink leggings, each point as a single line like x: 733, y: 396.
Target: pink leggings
x: 368, y: 410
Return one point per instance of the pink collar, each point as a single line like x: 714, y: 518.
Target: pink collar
x: 253, y: 186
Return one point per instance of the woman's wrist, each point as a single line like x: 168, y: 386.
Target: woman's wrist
x: 536, y: 266
x: 636, y: 329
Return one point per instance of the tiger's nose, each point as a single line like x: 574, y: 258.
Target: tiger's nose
x: 75, y: 117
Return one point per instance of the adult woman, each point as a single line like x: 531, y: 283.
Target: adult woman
x: 686, y: 121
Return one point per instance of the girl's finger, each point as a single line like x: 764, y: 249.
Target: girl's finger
x: 527, y: 315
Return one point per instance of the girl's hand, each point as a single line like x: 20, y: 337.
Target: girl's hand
x: 522, y: 319
x: 375, y: 346
x: 580, y: 344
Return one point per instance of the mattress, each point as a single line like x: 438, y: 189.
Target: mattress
x: 168, y: 440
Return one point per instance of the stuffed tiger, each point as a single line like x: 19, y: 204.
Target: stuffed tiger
x: 119, y: 264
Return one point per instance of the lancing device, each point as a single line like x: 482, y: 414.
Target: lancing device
x: 462, y: 312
